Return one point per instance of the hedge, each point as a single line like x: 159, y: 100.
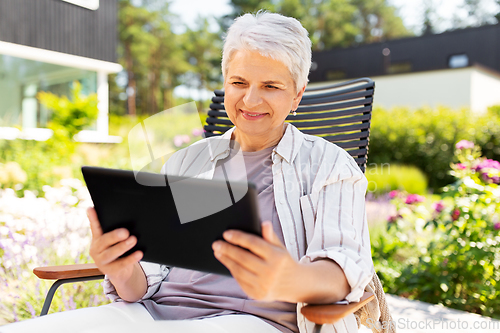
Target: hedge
x: 426, y: 138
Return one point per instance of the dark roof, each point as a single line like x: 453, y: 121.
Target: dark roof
x: 415, y: 54
x: 61, y: 26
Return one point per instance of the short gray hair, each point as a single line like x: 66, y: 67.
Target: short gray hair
x: 273, y: 35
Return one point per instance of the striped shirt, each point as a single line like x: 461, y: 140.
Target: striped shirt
x: 319, y: 195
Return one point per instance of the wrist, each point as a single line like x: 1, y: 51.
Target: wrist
x: 133, y: 288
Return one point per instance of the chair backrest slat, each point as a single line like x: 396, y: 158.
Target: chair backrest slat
x: 329, y: 122
x: 337, y: 129
x: 336, y: 106
x: 340, y: 113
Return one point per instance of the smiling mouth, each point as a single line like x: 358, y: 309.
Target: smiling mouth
x: 252, y: 114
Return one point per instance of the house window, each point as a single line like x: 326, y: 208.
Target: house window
x: 399, y: 67
x: 332, y: 75
x: 22, y: 79
x: 458, y: 61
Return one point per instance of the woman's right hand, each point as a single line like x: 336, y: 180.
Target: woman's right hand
x: 106, y: 248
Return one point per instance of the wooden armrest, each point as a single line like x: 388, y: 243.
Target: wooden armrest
x: 67, y: 271
x: 331, y: 313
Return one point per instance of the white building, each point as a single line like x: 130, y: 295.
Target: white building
x: 46, y: 45
x: 457, y: 69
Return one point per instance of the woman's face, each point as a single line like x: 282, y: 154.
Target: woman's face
x: 259, y: 94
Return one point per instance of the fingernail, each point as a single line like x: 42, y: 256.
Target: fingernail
x: 216, y: 246
x: 130, y: 240
x: 228, y: 235
x: 122, y: 233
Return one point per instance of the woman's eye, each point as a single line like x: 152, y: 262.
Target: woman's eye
x: 271, y: 87
x: 237, y: 83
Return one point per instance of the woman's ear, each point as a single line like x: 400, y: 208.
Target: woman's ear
x: 298, y: 98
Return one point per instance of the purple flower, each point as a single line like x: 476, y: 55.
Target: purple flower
x: 414, y: 198
x: 497, y: 226
x: 455, y: 214
x: 488, y: 164
x: 490, y: 171
x: 461, y: 166
x: 31, y: 309
x: 438, y: 206
x: 198, y: 131
x: 392, y: 219
x: 464, y: 144
x: 490, y: 179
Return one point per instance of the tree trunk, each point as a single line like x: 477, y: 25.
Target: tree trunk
x: 131, y: 84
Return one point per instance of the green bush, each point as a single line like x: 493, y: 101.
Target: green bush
x: 447, y: 251
x: 425, y: 137
x: 44, y: 162
x: 47, y: 162
x: 388, y: 177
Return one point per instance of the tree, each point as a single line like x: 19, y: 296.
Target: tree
x: 132, y: 36
x: 497, y: 16
x: 429, y: 12
x: 202, y: 49
x: 157, y: 60
x: 335, y: 23
x: 477, y: 13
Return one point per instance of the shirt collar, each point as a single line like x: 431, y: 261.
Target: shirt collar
x: 219, y: 148
x: 289, y: 145
x: 287, y: 148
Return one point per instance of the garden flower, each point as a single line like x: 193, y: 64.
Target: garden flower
x: 414, y: 198
x: 464, y: 144
x: 461, y: 166
x: 179, y: 140
x: 198, y: 131
x: 392, y: 219
x: 488, y: 164
x: 393, y: 194
x: 490, y: 179
x: 438, y: 206
x: 497, y: 226
x: 489, y: 170
x: 455, y: 214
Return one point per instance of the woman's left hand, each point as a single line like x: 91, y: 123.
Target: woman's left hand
x: 262, y: 266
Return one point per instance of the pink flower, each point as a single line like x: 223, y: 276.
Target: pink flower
x: 438, y: 206
x: 455, y: 214
x: 393, y: 218
x: 179, y: 140
x: 414, y: 198
x: 461, y: 166
x: 393, y: 194
x: 198, y: 131
x: 464, y: 144
x: 497, y: 226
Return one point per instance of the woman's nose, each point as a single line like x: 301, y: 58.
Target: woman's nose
x: 252, y: 97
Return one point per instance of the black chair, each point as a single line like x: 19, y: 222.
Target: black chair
x: 340, y: 113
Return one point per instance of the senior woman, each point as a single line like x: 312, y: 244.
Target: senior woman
x: 315, y: 246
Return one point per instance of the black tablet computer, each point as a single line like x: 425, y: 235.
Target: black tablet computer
x: 175, y: 219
